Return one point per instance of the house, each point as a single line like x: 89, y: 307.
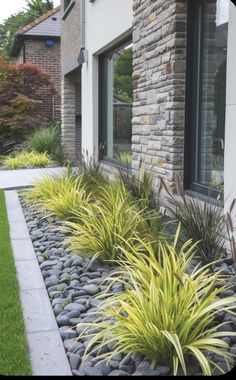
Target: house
x: 39, y: 43
x: 71, y: 77
x: 179, y: 56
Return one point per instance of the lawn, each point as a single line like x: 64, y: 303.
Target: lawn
x: 14, y: 354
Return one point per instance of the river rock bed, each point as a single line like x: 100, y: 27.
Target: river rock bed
x: 72, y: 283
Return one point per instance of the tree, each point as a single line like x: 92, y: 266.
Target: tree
x: 33, y: 10
x: 123, y: 87
x: 20, y: 102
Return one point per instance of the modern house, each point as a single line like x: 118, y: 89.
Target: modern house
x: 180, y: 57
x: 39, y: 43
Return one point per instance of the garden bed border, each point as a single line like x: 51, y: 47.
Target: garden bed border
x: 47, y: 353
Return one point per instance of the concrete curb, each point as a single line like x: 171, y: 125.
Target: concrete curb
x: 47, y: 353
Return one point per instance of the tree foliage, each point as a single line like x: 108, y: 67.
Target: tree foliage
x: 123, y: 87
x: 20, y: 86
x: 33, y: 10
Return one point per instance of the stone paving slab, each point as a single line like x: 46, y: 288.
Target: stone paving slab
x: 14, y: 216
x: 47, y: 353
x: 29, y: 274
x: 45, y: 315
x: 23, y: 249
x: 13, y: 179
x: 18, y: 230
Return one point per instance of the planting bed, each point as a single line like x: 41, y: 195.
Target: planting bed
x: 73, y: 282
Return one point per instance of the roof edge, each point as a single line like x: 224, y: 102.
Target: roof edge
x: 18, y: 38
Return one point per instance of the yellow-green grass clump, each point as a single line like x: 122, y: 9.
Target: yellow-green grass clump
x: 26, y: 159
x: 164, y: 313
x: 59, y: 196
x: 104, y: 226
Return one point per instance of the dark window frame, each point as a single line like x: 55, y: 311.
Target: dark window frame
x: 192, y: 107
x: 102, y: 100
x: 66, y: 4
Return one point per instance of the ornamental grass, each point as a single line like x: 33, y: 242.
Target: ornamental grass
x: 164, y: 313
x: 104, y: 225
x: 27, y: 159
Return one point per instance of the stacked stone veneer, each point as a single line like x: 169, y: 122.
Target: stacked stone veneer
x: 71, y: 115
x: 71, y: 81
x: 68, y: 126
x: 159, y: 69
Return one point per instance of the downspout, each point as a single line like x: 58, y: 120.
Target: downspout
x: 83, y: 52
x: 82, y: 23
x: 23, y: 47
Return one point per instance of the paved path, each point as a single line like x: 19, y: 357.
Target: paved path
x: 47, y: 353
x: 13, y: 179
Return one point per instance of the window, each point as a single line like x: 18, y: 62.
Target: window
x: 66, y: 4
x: 206, y: 89
x: 116, y: 98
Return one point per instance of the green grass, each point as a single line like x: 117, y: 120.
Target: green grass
x: 14, y: 354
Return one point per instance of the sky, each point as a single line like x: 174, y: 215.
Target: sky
x: 9, y: 7
x: 222, y: 11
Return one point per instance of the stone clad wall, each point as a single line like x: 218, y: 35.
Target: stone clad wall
x: 70, y: 81
x: 159, y: 64
x: 68, y: 127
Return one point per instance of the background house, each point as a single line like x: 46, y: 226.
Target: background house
x: 39, y: 43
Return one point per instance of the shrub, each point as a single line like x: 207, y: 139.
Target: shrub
x: 164, y: 313
x: 20, y: 103
x: 61, y: 196
x: 103, y: 225
x: 46, y: 139
x: 201, y: 221
x: 27, y: 159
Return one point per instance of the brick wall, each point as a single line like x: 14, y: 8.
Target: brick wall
x: 49, y: 60
x: 159, y: 37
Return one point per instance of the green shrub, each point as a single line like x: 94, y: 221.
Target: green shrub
x: 201, y: 221
x: 47, y: 140
x: 102, y: 226
x: 60, y: 196
x: 164, y: 313
x: 27, y: 159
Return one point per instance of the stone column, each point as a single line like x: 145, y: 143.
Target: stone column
x: 159, y: 66
x: 68, y: 117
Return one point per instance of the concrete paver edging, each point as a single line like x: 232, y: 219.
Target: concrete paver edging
x: 47, y: 353
x: 13, y: 179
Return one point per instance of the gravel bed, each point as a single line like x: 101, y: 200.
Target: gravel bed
x: 73, y: 282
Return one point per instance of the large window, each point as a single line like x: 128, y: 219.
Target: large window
x: 206, y: 89
x: 116, y: 98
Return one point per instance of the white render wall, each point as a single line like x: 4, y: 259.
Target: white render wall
x: 106, y: 23
x: 230, y: 126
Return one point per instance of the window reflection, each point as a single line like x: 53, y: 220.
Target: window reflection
x: 117, y: 103
x: 210, y: 126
